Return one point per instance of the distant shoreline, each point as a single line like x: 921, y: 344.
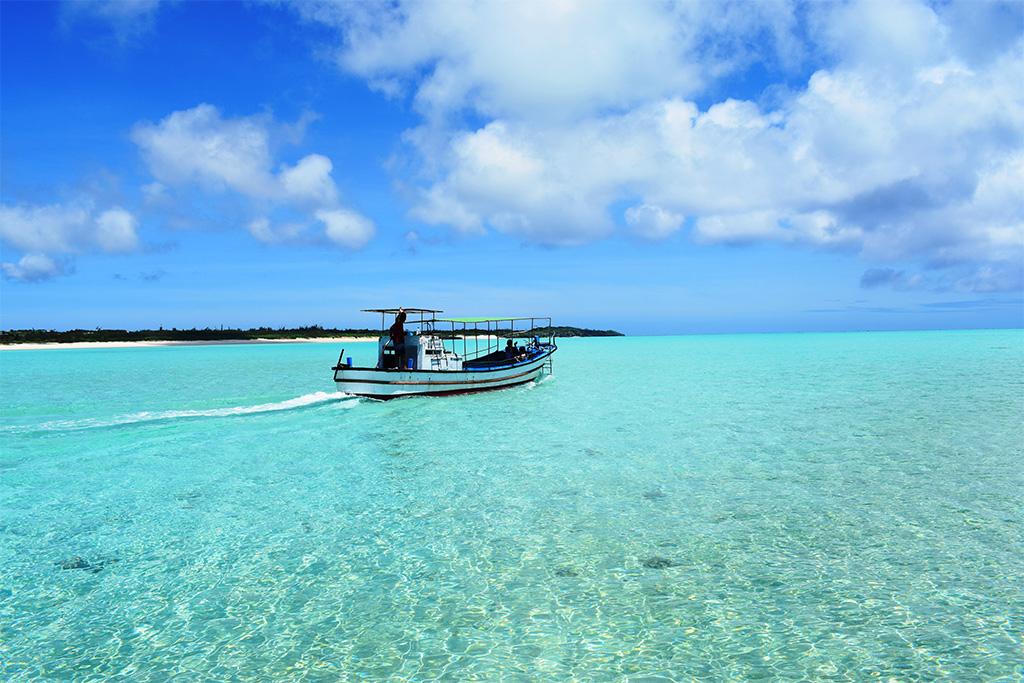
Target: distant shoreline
x: 101, y: 338
x: 36, y: 346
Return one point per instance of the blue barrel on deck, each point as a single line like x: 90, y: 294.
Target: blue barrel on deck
x: 409, y: 363
x: 348, y: 361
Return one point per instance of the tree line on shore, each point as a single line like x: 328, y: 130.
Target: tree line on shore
x: 231, y: 334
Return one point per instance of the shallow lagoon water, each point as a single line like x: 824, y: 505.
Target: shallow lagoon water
x: 826, y: 507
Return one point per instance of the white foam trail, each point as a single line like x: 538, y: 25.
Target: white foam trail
x: 529, y: 386
x: 316, y: 398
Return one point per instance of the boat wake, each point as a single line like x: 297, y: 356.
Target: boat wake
x: 537, y: 382
x: 314, y: 399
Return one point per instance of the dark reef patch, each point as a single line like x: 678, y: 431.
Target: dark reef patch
x: 656, y: 562
x: 77, y: 562
x: 73, y: 563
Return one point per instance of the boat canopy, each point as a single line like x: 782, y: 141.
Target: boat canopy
x: 485, y: 332
x: 491, y: 319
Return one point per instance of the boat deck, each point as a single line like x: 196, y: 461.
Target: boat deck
x: 498, y: 359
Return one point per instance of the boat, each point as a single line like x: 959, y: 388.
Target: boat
x: 445, y: 356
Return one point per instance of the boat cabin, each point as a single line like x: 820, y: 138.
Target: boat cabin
x: 420, y: 352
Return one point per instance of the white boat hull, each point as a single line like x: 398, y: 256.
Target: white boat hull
x: 385, y: 384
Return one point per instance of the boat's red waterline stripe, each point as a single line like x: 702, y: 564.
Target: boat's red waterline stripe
x: 422, y: 384
x: 449, y: 392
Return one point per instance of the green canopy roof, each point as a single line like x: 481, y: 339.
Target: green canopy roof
x: 490, y: 319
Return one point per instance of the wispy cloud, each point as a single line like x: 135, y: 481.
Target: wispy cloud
x: 125, y: 20
x: 975, y: 303
x: 874, y: 278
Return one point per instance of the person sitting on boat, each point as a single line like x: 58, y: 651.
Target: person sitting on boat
x: 513, y: 352
x: 397, y: 332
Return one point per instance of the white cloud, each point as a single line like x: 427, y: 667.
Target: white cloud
x: 55, y: 228
x: 346, y: 228
x: 262, y: 229
x: 201, y: 147
x: 310, y: 180
x: 653, y: 222
x: 741, y: 227
x: 198, y: 145
x: 115, y: 230
x: 66, y: 229
x: 437, y: 206
x: 553, y: 59
x: 895, y: 35
x: 32, y: 267
x: 905, y: 143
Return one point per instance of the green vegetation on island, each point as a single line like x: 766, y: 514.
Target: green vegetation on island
x: 237, y: 334
x: 562, y: 331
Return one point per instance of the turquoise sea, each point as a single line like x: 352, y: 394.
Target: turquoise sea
x: 806, y: 506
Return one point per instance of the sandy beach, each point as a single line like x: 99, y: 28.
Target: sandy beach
x: 212, y: 342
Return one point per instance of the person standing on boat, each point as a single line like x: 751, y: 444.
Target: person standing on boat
x: 397, y: 332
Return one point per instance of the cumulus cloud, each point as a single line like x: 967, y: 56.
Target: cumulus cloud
x: 33, y: 268
x: 439, y: 206
x: 264, y: 231
x: 54, y: 228
x: 115, y: 230
x: 905, y: 142
x: 310, y: 180
x: 62, y: 229
x: 346, y: 228
x: 200, y: 147
x: 542, y: 59
x: 653, y: 222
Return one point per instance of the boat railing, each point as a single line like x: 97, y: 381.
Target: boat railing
x: 479, y: 337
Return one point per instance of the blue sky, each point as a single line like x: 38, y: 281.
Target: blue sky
x: 654, y: 167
